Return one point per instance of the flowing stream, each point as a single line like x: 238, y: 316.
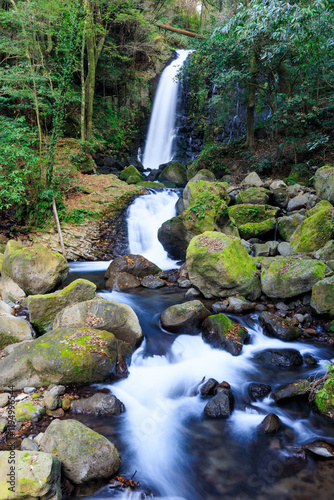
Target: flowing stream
x: 163, y: 435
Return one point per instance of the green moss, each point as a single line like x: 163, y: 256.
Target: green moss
x: 6, y: 340
x: 128, y: 172
x: 314, y: 232
x: 253, y: 195
x: 27, y: 411
x: 148, y: 184
x: 134, y: 179
x: 325, y: 395
x: 323, y: 204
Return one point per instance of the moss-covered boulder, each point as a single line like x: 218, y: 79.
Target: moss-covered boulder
x: 28, y: 410
x: 220, y: 332
x: 287, y: 225
x: 219, y: 266
x: 253, y: 195
x: 12, y: 246
x: 119, y: 319
x: 253, y: 220
x: 130, y: 171
x: 324, y: 398
x: 323, y: 296
x: 35, y: 269
x: 318, y: 207
x: 327, y: 252
x: 189, y: 191
x: 44, y: 308
x: 278, y: 327
x: 133, y: 179
x: 174, y: 172
x: 150, y: 184
x: 84, y: 454
x: 290, y: 276
x: 184, y: 318
x: 133, y: 264
x: 63, y: 356
x: 35, y: 475
x: 314, y: 232
x: 324, y: 183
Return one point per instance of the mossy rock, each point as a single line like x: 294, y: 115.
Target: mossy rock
x: 324, y: 399
x: 184, y: 318
x: 130, y: 171
x: 63, y: 356
x: 6, y: 340
x: 28, y: 411
x: 288, y: 225
x: 44, y: 308
x: 174, y: 172
x: 37, y: 476
x: 327, y: 252
x: 253, y: 220
x: 314, y: 232
x: 12, y: 246
x: 133, y: 179
x: 150, y: 184
x: 254, y: 196
x: 318, y: 207
x: 324, y: 183
x: 219, y: 266
x: 323, y: 296
x: 198, y: 190
x: 290, y: 276
x: 220, y: 332
x: 300, y: 174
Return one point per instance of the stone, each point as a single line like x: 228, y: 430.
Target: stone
x: 3, y: 425
x: 35, y: 269
x: 273, y: 247
x: 130, y: 171
x: 290, y: 276
x: 108, y: 315
x: 191, y: 293
x: 254, y: 195
x: 253, y: 220
x: 51, y: 400
x: 44, y: 308
x: 174, y: 172
x: 297, y: 203
x: 221, y: 405
x: 184, y: 318
x: 261, y: 250
x: 324, y: 183
x: 220, y: 332
x: 133, y: 264
x: 322, y: 300
x: 84, y: 454
x: 280, y: 357
x: 219, y: 266
x: 295, y: 389
x: 209, y: 387
x: 258, y: 391
x: 152, y: 282
x: 314, y: 232
x: 279, y: 327
x: 38, y: 438
x: 37, y: 476
x: 66, y: 403
x: 28, y: 390
x: 29, y: 445
x: 121, y: 282
x: 202, y: 175
x: 65, y: 355
x: 252, y: 179
x: 327, y: 252
x: 270, y: 424
x: 59, y: 413
x: 280, y: 193
x: 99, y: 404
x: 287, y: 225
x: 14, y: 329
x: 4, y: 399
x: 239, y: 305
x: 10, y: 292
x: 320, y: 448
x: 28, y: 411
x: 284, y: 249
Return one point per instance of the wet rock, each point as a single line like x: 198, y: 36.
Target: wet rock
x: 29, y: 445
x: 320, y: 448
x: 121, y: 282
x: 280, y: 357
x: 278, y: 327
x: 221, y: 405
x: 220, y: 332
x: 133, y: 264
x: 152, y: 282
x: 310, y: 360
x: 184, y: 318
x: 183, y: 282
x: 208, y: 388
x: 258, y: 391
x: 220, y: 306
x: 37, y: 475
x: 99, y: 404
x: 298, y: 388
x: 84, y: 454
x: 270, y: 424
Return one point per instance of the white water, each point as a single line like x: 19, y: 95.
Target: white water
x: 145, y: 216
x: 161, y: 131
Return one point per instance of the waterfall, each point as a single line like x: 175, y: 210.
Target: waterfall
x: 161, y: 131
x: 145, y: 216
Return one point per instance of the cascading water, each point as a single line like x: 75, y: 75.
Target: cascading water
x: 161, y: 131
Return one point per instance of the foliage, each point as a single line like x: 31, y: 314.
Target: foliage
x: 210, y: 158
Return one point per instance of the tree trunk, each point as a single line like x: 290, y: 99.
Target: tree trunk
x: 250, y: 140
x: 60, y: 236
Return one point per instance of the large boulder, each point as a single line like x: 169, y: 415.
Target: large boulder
x: 221, y: 405
x: 290, y: 276
x: 84, y: 454
x: 323, y: 296
x: 314, y: 232
x: 252, y: 179
x: 35, y: 269
x: 121, y: 282
x: 190, y: 189
x: 174, y: 172
x: 280, y: 357
x: 280, y: 193
x: 287, y: 225
x: 10, y: 292
x: 253, y: 195
x: 12, y: 328
x: 63, y: 356
x: 99, y: 404
x: 219, y: 266
x: 327, y: 252
x: 324, y: 183
x: 130, y: 171
x: 220, y: 332
x: 133, y: 264
x: 279, y: 327
x: 253, y: 220
x: 31, y: 475
x: 119, y: 319
x: 44, y: 308
x: 184, y: 318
